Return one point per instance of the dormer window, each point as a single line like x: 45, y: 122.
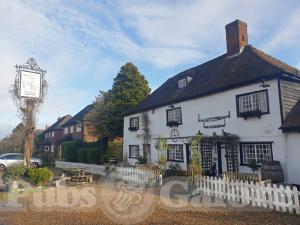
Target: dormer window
x: 252, y: 104
x: 133, y: 123
x: 182, y: 83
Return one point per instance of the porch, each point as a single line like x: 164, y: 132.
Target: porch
x: 219, y: 153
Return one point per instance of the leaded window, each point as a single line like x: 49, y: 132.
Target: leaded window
x: 134, y: 123
x: 134, y: 151
x: 174, y: 116
x: 255, y: 103
x: 256, y: 153
x: 175, y: 153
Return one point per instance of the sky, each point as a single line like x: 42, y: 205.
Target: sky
x: 82, y: 44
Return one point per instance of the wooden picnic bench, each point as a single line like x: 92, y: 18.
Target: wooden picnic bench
x: 79, y: 176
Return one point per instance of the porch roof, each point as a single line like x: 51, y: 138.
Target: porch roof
x: 217, y: 138
x: 292, y: 122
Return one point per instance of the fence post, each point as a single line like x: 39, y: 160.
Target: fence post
x: 276, y: 201
x: 282, y: 198
x: 296, y: 200
x: 289, y: 198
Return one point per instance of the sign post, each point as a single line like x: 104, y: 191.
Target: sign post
x: 28, y: 92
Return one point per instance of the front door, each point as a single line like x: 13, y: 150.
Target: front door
x: 222, y: 163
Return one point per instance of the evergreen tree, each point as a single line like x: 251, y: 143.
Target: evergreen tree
x: 129, y: 88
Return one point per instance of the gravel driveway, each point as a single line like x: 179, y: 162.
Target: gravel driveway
x: 120, y: 204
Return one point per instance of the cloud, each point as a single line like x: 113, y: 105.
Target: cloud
x: 288, y: 33
x: 5, y: 129
x: 82, y: 46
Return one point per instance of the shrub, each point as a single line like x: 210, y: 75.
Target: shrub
x: 142, y: 160
x: 115, y: 150
x: 174, y: 169
x: 103, y: 159
x: 14, y: 172
x: 82, y: 155
x: 40, y: 176
x: 92, y: 154
x: 69, y: 150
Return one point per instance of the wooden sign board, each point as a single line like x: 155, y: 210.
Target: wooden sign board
x: 30, y: 84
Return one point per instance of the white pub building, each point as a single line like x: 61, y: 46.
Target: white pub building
x: 245, y: 103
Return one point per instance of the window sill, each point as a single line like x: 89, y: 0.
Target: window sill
x: 246, y: 115
x: 245, y: 164
x: 174, y: 160
x: 173, y: 124
x: 133, y: 128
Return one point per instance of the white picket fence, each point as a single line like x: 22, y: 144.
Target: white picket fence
x: 129, y: 174
x: 138, y: 175
x: 263, y: 195
x: 91, y: 168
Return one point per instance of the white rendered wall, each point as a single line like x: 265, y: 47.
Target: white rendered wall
x: 293, y: 157
x: 253, y: 129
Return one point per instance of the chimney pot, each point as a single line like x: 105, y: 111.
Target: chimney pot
x: 236, y: 36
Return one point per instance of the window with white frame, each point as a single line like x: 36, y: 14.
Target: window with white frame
x: 134, y: 151
x: 253, y: 102
x: 175, y: 153
x: 134, y: 123
x: 52, y: 148
x: 46, y: 148
x: 182, y: 83
x: 66, y: 129
x: 78, y: 127
x: 256, y: 153
x: 52, y: 134
x: 71, y: 129
x: 174, y: 116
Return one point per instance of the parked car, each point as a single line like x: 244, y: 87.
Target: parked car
x: 11, y: 159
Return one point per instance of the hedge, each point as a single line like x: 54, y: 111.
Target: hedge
x: 92, y: 153
x: 92, y: 156
x: 82, y: 155
x: 69, y: 150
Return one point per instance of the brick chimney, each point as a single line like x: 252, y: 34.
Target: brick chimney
x: 236, y: 36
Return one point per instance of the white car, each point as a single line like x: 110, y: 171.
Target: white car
x: 11, y: 159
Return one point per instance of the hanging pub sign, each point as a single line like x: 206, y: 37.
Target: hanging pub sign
x: 30, y: 84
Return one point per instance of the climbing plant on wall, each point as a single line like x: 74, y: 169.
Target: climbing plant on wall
x: 162, y: 146
x: 196, y: 162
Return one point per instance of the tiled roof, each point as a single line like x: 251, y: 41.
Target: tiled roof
x: 79, y: 116
x: 58, y: 124
x: 216, y: 75
x: 292, y: 122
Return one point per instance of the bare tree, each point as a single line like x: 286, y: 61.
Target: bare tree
x: 28, y: 106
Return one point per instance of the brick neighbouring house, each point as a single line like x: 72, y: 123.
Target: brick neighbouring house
x: 49, y: 147
x: 77, y: 128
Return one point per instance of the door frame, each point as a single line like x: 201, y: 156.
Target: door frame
x: 187, y: 153
x: 219, y: 149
